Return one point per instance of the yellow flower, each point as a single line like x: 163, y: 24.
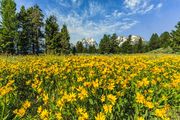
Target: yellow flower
x: 149, y: 104
x: 111, y: 86
x: 21, y: 112
x: 103, y: 98
x: 39, y: 109
x: 160, y: 113
x: 100, y: 116
x: 107, y: 108
x: 140, y: 118
x: 85, y: 115
x: 44, y: 114
x: 112, y: 98
x: 45, y: 98
x: 79, y: 111
x: 60, y: 103
x: 59, y: 116
x: 83, y: 94
x: 140, y: 98
x: 95, y: 84
x: 26, y: 104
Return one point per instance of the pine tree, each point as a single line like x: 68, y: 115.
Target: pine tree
x: 57, y: 46
x: 114, y: 44
x: 65, y: 40
x: 23, y: 42
x: 105, y: 45
x: 74, y: 50
x: 79, y: 47
x: 176, y: 38
x: 126, y: 47
x: 36, y: 18
x: 8, y: 26
x: 154, y: 42
x: 51, y: 30
x: 165, y: 40
x: 92, y: 49
x: 140, y: 46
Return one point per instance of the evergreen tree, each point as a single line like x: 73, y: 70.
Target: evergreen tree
x: 105, y: 44
x: 140, y: 46
x: 51, y: 30
x: 74, y: 50
x: 92, y: 49
x: 154, y: 42
x: 23, y: 42
x: 165, y: 40
x: 114, y: 44
x: 126, y: 47
x: 65, y: 40
x: 57, y: 46
x: 36, y: 18
x: 79, y: 47
x: 8, y: 26
x: 176, y: 38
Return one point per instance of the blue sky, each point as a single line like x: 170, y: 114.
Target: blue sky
x: 93, y: 18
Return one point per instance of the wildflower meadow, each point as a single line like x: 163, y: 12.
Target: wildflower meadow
x: 117, y: 87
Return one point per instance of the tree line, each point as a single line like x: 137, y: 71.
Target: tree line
x: 109, y: 44
x: 25, y: 32
x: 22, y: 32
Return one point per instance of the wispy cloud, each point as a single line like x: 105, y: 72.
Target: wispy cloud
x: 132, y: 4
x: 138, y: 6
x: 79, y: 26
x: 90, y: 18
x: 159, y: 5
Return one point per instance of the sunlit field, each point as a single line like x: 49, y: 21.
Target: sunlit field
x: 134, y: 87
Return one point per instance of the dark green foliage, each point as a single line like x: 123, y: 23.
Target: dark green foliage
x: 79, y: 47
x: 51, y: 31
x: 114, y: 44
x: 65, y: 40
x: 154, y: 42
x: 23, y: 42
x: 126, y: 46
x: 140, y: 46
x: 8, y: 34
x: 92, y: 49
x: 74, y: 50
x: 105, y: 45
x: 165, y: 40
x: 57, y: 46
x: 176, y: 38
x: 36, y: 18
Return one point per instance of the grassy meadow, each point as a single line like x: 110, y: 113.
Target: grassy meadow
x: 115, y: 87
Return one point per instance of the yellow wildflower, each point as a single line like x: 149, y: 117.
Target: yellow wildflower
x: 100, y: 116
x: 44, y: 114
x: 112, y: 98
x: 107, y: 108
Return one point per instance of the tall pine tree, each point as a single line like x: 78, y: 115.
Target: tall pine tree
x: 8, y: 26
x: 114, y: 44
x: 165, y: 40
x: 36, y: 18
x: 154, y: 42
x: 176, y: 38
x: 126, y: 47
x: 79, y: 47
x: 65, y: 40
x: 105, y: 44
x: 23, y: 42
x: 51, y: 31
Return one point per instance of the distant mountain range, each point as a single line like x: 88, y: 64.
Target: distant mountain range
x: 89, y: 42
x: 134, y: 39
x: 120, y: 40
